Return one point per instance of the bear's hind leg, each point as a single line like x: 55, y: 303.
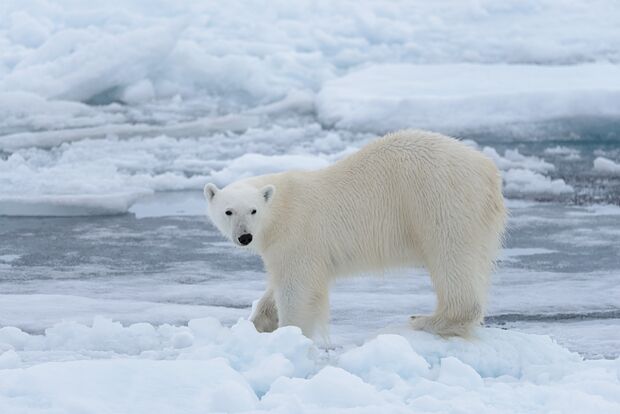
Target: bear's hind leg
x: 461, y: 297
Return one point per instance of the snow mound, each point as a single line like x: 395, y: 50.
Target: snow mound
x: 381, y: 98
x: 207, y: 367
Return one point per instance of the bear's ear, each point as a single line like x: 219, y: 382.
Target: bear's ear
x: 267, y: 192
x: 210, y: 191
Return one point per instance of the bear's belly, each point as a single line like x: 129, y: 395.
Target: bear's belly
x: 352, y: 259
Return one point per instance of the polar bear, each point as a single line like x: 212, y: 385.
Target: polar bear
x: 410, y: 198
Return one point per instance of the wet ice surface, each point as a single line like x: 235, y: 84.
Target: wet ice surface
x: 164, y: 263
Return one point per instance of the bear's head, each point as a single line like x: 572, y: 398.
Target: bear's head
x: 238, y: 211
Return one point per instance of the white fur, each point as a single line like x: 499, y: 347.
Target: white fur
x: 410, y: 198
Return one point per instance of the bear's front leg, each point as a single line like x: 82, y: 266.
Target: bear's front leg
x: 303, y: 301
x: 265, y: 317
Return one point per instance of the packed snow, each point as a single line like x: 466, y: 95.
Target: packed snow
x: 207, y: 367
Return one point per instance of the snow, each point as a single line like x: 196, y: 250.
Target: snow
x: 509, y: 254
x: 69, y: 205
x: 523, y: 176
x: 139, y: 92
x: 519, y: 181
x: 46, y: 310
x: 38, y: 181
x: 606, y: 166
x: 132, y: 106
x: 107, y: 367
x: 143, y: 98
x: 76, y: 51
x: 601, y: 209
x: 49, y: 182
x: 113, y: 345
x: 513, y: 159
x: 568, y: 153
x: 249, y: 165
x: 53, y: 138
x: 381, y: 98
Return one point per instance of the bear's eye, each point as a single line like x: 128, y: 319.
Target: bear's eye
x: 253, y: 211
x: 228, y: 213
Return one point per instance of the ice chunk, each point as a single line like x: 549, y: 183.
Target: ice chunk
x: 606, y: 166
x: 520, y: 182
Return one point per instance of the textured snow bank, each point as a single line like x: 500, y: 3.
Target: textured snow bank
x: 382, y: 98
x: 205, y: 367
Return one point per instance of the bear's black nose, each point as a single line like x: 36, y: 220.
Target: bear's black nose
x: 245, y: 239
